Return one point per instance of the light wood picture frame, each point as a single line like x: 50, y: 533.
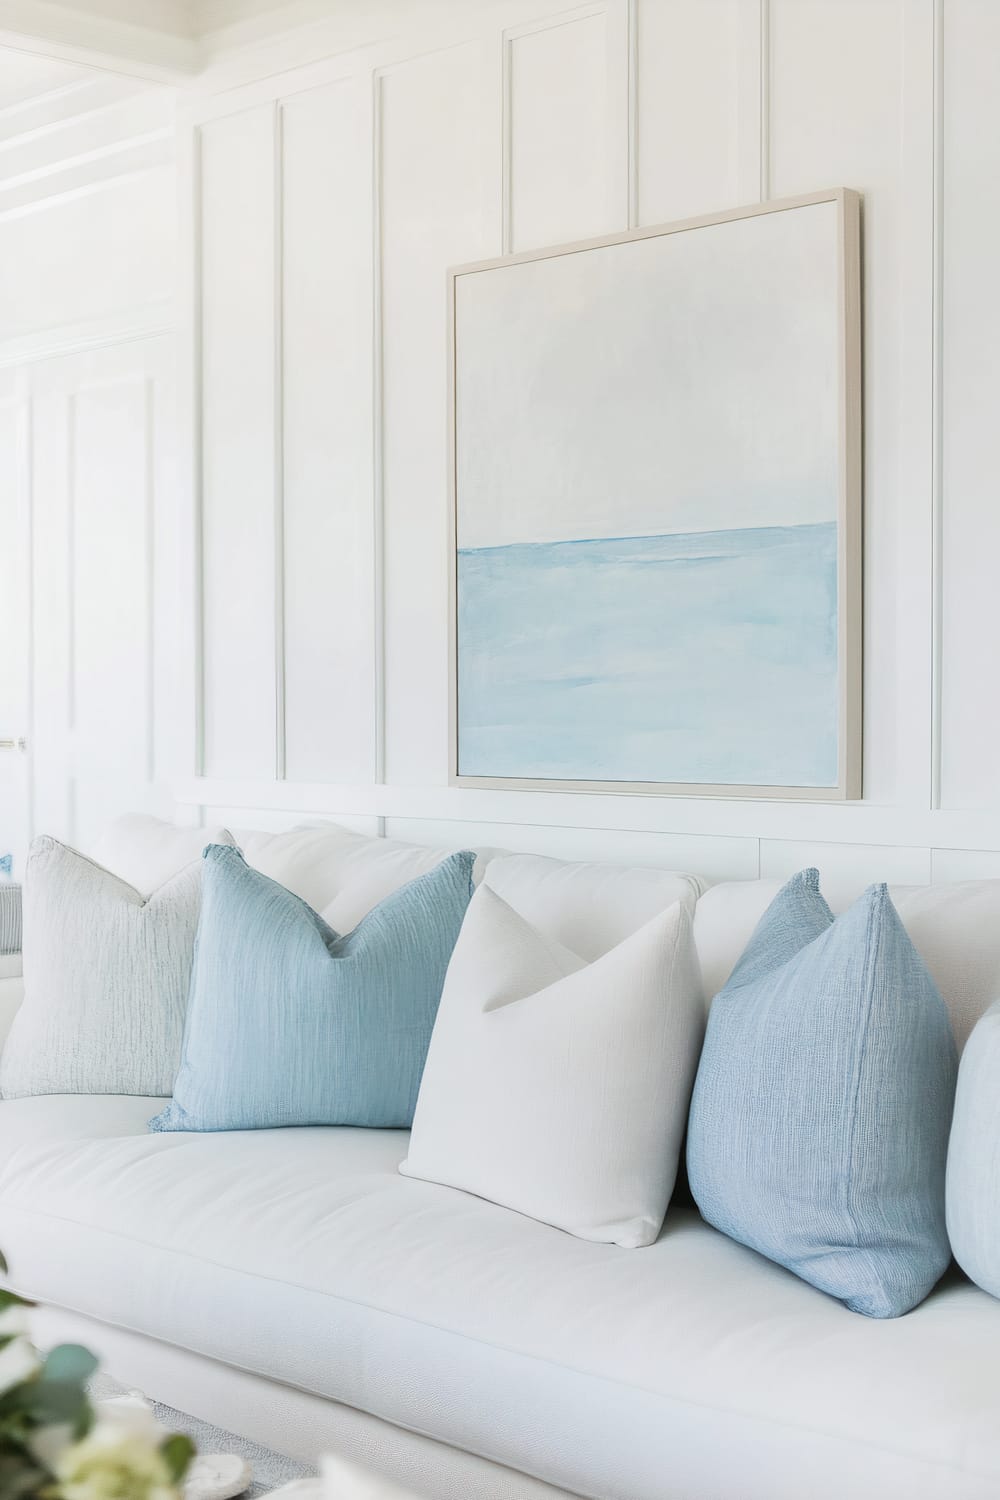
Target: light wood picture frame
x: 655, y: 509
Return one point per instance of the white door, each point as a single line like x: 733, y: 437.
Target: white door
x: 14, y: 565
x: 90, y: 679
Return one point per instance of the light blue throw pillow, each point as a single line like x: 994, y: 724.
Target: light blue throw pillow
x: 290, y: 1023
x: 819, y: 1122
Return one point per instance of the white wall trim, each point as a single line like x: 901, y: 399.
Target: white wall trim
x: 49, y: 343
x: 277, y: 213
x: 852, y: 823
x: 937, y: 408
x: 47, y: 29
x: 764, y: 136
x: 378, y: 439
x: 192, y: 218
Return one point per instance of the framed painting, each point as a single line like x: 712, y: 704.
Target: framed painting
x: 656, y: 509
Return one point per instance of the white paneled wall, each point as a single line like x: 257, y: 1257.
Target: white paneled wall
x: 102, y: 573
x: 330, y: 201
x: 92, y: 590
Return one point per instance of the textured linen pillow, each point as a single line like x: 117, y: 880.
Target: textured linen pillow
x: 819, y: 1123
x: 973, y: 1188
x: 106, y: 974
x: 10, y: 918
x: 291, y: 1024
x: 560, y: 1088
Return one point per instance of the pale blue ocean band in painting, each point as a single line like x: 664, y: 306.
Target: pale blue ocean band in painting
x: 703, y: 657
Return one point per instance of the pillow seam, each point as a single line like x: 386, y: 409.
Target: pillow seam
x: 872, y: 943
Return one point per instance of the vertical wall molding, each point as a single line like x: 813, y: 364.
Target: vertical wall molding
x: 197, y: 470
x: 149, y: 438
x: 764, y: 130
x: 632, y: 111
x: 25, y: 490
x: 277, y: 169
x: 378, y: 437
x: 937, y: 406
x: 70, y: 476
x: 506, y: 128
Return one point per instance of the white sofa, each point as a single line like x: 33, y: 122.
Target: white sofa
x: 293, y: 1286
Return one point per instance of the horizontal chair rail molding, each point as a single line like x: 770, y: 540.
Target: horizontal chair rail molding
x: 858, y: 823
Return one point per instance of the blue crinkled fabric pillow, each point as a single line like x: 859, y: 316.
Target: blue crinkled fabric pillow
x: 819, y: 1122
x: 290, y: 1023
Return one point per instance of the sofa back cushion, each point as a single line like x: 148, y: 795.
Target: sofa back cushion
x: 341, y: 874
x: 955, y: 929
x: 146, y: 852
x: 588, y: 908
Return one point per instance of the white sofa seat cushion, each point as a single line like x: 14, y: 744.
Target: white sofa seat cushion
x: 692, y: 1368
x: 37, y: 1120
x: 954, y: 927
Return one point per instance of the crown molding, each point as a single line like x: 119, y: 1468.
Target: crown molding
x: 46, y: 28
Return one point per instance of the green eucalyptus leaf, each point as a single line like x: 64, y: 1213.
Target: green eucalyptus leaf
x: 44, y: 1402
x: 178, y: 1452
x: 3, y: 1264
x: 69, y: 1364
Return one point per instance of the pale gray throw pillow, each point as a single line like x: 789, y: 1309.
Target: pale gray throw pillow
x: 106, y: 974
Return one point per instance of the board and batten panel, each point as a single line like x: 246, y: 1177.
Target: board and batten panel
x: 50, y: 461
x: 238, y: 363
x: 971, y: 396
x: 14, y: 560
x: 439, y: 191
x: 566, y: 130
x: 326, y: 342
x: 845, y: 870
x: 111, y: 577
x: 711, y: 858
x: 688, y: 92
x: 850, y: 88
x: 106, y: 700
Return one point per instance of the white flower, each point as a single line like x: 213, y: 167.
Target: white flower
x: 119, y: 1459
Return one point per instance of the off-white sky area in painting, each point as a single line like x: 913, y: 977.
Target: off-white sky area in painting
x: 685, y: 382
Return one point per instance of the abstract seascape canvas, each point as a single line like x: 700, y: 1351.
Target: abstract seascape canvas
x: 656, y: 509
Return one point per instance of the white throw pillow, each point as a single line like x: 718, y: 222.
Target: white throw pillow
x: 145, y: 851
x: 106, y: 974
x: 560, y: 1088
x: 973, y: 1180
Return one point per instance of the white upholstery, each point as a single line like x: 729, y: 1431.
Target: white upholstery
x: 341, y: 874
x: 693, y: 1368
x: 146, y: 852
x: 293, y: 1285
x: 589, y: 908
x: 955, y: 929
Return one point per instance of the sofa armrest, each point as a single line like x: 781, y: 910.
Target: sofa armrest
x: 11, y: 994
